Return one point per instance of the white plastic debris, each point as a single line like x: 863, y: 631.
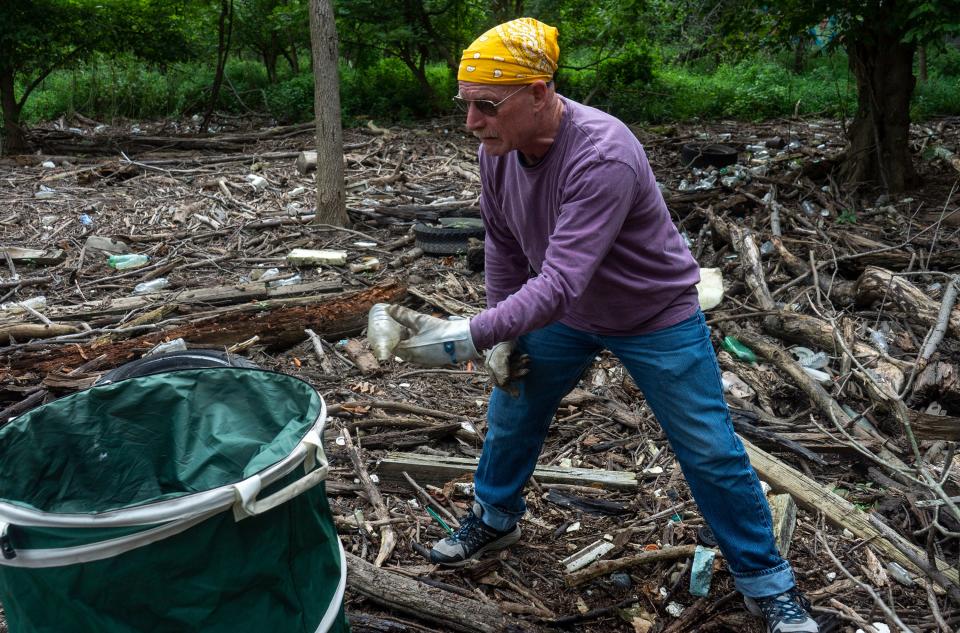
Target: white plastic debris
x: 48, y: 164
x: 307, y: 257
x: 257, y: 182
x: 710, y: 288
x: 879, y: 626
x: 675, y: 609
x: 176, y: 345
x: 14, y: 307
x: 590, y: 553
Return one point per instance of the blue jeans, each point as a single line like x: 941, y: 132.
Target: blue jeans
x: 676, y: 369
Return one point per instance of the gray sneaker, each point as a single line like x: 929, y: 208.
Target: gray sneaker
x: 787, y: 612
x: 473, y: 539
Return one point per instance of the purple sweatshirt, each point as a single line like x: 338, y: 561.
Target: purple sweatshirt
x: 590, y: 222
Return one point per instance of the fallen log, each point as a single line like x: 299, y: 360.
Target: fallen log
x: 27, y: 331
x: 817, y: 333
x: 877, y: 283
x: 816, y: 498
x: 935, y: 427
x: 450, y: 611
x: 212, y: 296
x: 279, y: 324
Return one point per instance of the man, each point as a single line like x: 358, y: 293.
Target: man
x: 581, y: 255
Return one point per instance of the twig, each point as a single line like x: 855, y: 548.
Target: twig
x: 388, y: 538
x: 890, y: 613
x: 430, y: 501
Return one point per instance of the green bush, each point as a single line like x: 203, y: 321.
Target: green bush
x: 635, y: 86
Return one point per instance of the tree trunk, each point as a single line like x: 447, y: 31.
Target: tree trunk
x: 879, y: 152
x: 223, y: 49
x: 270, y: 63
x: 15, y: 140
x: 331, y: 193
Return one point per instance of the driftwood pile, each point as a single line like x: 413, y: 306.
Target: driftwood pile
x: 837, y: 337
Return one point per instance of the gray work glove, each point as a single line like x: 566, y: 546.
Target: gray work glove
x: 424, y: 340
x: 506, y: 366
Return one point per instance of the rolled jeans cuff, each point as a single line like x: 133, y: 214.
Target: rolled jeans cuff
x: 498, y: 519
x: 769, y: 582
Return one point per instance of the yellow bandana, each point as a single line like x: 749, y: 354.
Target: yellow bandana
x: 517, y: 52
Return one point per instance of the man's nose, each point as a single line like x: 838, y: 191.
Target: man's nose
x: 475, y: 118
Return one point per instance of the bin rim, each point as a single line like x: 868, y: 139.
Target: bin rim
x: 308, y: 451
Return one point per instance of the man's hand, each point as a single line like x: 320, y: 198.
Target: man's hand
x: 506, y: 366
x: 429, y: 341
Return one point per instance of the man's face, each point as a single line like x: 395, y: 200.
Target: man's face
x: 508, y: 129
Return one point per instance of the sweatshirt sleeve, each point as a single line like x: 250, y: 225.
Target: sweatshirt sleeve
x: 593, y: 208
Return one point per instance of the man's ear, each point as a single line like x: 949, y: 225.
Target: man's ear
x: 540, y: 93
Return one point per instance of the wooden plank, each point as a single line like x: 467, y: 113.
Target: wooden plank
x: 33, y: 255
x: 784, y: 511
x: 431, y: 469
x: 814, y: 497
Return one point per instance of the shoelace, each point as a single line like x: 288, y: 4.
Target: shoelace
x: 785, y: 607
x: 471, y: 532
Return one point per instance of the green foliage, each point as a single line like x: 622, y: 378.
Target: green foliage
x: 847, y: 216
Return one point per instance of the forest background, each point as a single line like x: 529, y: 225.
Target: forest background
x: 646, y: 61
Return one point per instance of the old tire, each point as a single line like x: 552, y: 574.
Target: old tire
x: 713, y: 155
x: 449, y: 239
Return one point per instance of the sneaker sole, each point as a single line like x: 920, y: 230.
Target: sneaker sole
x: 501, y: 543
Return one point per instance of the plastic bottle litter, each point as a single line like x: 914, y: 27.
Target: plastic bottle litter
x: 45, y: 193
x: 176, y: 345
x: 130, y: 260
x: 151, y: 286
x: 13, y: 307
x: 289, y: 281
x: 701, y: 571
x: 266, y: 275
x: 383, y: 332
x: 900, y: 574
x: 738, y: 349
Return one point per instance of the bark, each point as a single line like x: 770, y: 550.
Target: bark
x: 399, y: 594
x: 879, y: 151
x: 279, y: 324
x: 331, y: 192
x: 223, y: 50
x: 15, y: 140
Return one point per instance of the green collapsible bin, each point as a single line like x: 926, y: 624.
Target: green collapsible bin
x: 182, y: 501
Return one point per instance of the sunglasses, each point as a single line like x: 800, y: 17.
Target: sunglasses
x: 486, y: 107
